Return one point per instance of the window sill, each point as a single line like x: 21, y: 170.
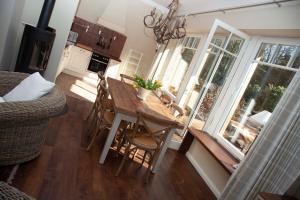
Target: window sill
x: 226, y: 160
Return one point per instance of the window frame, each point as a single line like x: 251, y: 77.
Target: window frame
x: 217, y: 124
x: 175, y: 54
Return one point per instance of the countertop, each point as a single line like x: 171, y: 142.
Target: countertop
x: 95, y: 51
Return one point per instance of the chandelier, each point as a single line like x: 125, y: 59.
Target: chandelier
x: 166, y: 27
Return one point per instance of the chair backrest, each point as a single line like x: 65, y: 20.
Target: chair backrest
x: 178, y: 111
x: 101, y: 100
x: 166, y: 99
x: 101, y: 79
x: 129, y: 79
x: 103, y: 91
x: 156, y: 127
x: 101, y: 75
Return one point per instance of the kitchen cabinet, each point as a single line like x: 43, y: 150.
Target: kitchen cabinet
x: 76, y: 59
x: 101, y: 39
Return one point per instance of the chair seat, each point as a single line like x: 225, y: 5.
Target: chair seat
x: 109, y: 118
x: 141, y: 141
x: 146, y: 142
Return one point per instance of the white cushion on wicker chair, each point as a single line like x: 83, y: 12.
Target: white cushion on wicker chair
x: 31, y: 88
x: 2, y: 100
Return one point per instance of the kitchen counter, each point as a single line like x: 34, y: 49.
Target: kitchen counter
x: 83, y: 46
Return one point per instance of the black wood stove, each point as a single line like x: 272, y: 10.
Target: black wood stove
x: 37, y: 43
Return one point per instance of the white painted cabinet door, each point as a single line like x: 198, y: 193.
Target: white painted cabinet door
x: 79, y: 59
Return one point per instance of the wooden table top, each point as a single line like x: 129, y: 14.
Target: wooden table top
x: 125, y: 101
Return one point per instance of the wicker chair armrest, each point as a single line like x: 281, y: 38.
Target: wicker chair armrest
x: 50, y: 105
x: 9, y: 80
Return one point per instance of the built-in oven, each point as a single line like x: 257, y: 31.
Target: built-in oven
x: 98, y: 63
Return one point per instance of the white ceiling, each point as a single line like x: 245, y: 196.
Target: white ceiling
x: 192, y: 6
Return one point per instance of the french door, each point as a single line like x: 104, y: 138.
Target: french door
x: 216, y: 66
x: 265, y: 72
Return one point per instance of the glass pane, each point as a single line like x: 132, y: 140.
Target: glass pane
x: 214, y: 87
x: 190, y: 43
x: 266, y: 52
x: 220, y: 37
x: 189, y: 100
x: 235, y: 44
x: 133, y: 60
x: 196, y: 43
x: 135, y: 54
x: 180, y: 70
x: 296, y: 63
x: 283, y: 54
x: 185, y: 41
x: 260, y: 98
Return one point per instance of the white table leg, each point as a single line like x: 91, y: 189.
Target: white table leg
x: 162, y: 152
x: 110, y: 137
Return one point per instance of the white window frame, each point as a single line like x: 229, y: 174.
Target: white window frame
x: 170, y: 64
x: 216, y: 123
x: 199, y: 65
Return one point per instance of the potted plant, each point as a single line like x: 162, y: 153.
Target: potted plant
x: 145, y: 86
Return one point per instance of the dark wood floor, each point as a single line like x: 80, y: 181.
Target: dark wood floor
x: 65, y: 170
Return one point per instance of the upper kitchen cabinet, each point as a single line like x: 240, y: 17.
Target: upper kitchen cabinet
x: 102, y: 40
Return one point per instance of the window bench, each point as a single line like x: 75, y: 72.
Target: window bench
x: 225, y: 159
x: 212, y: 162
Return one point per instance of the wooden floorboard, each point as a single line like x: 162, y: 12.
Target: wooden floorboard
x: 66, y: 171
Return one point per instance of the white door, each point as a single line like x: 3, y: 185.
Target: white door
x: 267, y: 69
x: 216, y: 66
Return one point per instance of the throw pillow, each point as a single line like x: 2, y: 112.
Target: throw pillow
x: 31, y: 88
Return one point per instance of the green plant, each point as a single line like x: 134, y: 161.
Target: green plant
x: 147, y: 84
x: 270, y: 97
x: 252, y: 91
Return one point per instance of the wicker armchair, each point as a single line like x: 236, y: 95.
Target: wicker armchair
x: 22, y: 124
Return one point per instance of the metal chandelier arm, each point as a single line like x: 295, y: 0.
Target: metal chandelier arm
x: 168, y: 27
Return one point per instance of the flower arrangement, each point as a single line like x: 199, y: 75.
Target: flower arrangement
x: 147, y: 84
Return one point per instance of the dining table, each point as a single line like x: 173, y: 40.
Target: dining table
x: 126, y: 103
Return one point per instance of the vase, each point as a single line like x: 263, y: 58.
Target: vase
x: 143, y: 93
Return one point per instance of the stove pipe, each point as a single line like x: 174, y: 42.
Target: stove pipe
x: 46, y: 14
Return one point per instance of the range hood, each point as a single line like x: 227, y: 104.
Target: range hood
x: 114, y: 16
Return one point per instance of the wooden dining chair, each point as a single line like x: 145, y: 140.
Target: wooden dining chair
x: 165, y: 99
x: 127, y: 79
x: 149, y: 134
x: 104, y: 115
x: 178, y: 111
x: 92, y: 115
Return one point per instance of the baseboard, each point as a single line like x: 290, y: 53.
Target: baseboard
x: 201, y: 172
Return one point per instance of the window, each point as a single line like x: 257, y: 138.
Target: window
x: 276, y: 65
x: 181, y: 60
x: 221, y: 55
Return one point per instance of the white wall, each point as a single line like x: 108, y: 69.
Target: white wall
x: 208, y: 167
x: 61, y: 20
x: 138, y: 37
x: 10, y: 14
x: 90, y: 10
x: 6, y: 8
x: 29, y: 12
